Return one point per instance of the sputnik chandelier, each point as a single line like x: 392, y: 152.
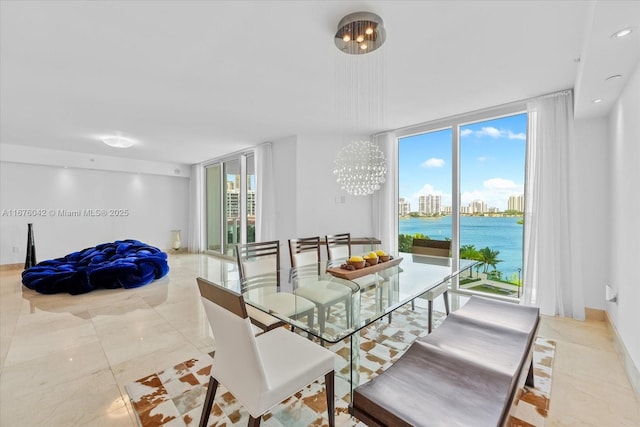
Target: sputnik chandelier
x: 360, y: 166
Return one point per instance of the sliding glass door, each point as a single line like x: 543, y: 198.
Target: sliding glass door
x: 463, y: 180
x: 424, y: 177
x: 230, y: 204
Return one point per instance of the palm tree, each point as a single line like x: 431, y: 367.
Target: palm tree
x: 469, y: 252
x: 489, y: 257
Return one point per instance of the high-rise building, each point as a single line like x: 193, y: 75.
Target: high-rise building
x: 516, y: 203
x: 429, y: 204
x: 477, y: 206
x: 233, y: 203
x: 404, y: 207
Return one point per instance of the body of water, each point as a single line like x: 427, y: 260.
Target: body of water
x: 498, y: 233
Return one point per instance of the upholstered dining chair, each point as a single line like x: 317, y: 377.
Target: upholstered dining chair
x: 261, y: 371
x: 440, y: 248
x: 338, y: 245
x: 258, y: 265
x: 305, y: 255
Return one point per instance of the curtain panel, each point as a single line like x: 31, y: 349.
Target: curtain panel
x: 196, y: 240
x: 550, y: 271
x: 385, y: 201
x: 265, y: 193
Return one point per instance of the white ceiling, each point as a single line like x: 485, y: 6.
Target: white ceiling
x: 193, y: 80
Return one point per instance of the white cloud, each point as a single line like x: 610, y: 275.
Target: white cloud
x: 489, y: 131
x: 433, y: 163
x: 499, y: 184
x: 492, y: 132
x: 483, y: 158
x: 466, y: 132
x: 425, y: 191
x: 495, y: 192
x: 522, y: 136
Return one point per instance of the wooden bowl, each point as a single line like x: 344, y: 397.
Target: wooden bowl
x: 371, y: 261
x: 357, y: 264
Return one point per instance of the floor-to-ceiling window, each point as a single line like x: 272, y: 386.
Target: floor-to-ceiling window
x: 230, y: 215
x: 463, y: 179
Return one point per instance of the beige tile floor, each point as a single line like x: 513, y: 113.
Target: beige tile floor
x: 65, y: 359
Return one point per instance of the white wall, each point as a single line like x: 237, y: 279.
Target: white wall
x: 309, y: 202
x: 285, y: 184
x: 624, y: 127
x: 156, y: 204
x: 320, y: 210
x: 591, y: 214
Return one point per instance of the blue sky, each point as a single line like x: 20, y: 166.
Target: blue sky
x: 492, y: 157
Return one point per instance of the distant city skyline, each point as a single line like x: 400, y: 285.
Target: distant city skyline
x: 430, y: 205
x: 492, y: 164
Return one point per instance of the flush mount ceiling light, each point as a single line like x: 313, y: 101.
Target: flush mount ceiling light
x: 118, y: 141
x: 359, y: 33
x: 597, y: 101
x: 622, y: 33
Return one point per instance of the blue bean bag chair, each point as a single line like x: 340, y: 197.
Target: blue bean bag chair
x: 121, y: 264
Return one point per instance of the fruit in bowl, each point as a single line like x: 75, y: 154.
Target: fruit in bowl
x: 356, y: 261
x: 371, y: 258
x: 382, y: 255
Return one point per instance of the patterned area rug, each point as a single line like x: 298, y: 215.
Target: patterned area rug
x: 174, y: 396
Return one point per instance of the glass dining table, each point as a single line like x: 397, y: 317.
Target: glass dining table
x: 354, y: 299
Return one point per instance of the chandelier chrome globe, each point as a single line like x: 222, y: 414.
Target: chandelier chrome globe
x: 360, y: 168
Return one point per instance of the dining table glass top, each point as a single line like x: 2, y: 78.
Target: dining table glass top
x: 331, y: 304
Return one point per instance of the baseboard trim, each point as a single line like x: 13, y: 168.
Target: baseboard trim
x: 7, y: 267
x: 594, y: 314
x: 627, y: 363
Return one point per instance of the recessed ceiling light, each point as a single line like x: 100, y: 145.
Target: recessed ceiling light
x: 597, y: 100
x: 614, y: 77
x: 621, y: 33
x: 117, y: 141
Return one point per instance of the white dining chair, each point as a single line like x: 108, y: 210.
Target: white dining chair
x: 304, y: 254
x: 338, y: 246
x: 259, y: 272
x: 261, y: 371
x: 438, y: 248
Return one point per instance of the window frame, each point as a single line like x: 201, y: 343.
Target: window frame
x: 455, y: 123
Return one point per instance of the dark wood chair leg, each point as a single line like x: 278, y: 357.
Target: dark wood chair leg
x: 208, y: 401
x: 330, y: 392
x: 430, y: 314
x: 446, y: 301
x: 254, y: 422
x: 413, y: 305
x: 529, y: 381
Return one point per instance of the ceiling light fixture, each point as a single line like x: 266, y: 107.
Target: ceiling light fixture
x: 622, y: 33
x: 360, y: 165
x: 118, y: 141
x: 358, y: 29
x: 597, y: 100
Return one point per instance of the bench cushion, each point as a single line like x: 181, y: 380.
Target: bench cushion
x: 509, y: 315
x: 429, y: 386
x: 491, y: 345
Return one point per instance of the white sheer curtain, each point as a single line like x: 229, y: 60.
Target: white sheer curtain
x: 196, y: 209
x: 265, y: 193
x: 384, y: 201
x: 548, y: 257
